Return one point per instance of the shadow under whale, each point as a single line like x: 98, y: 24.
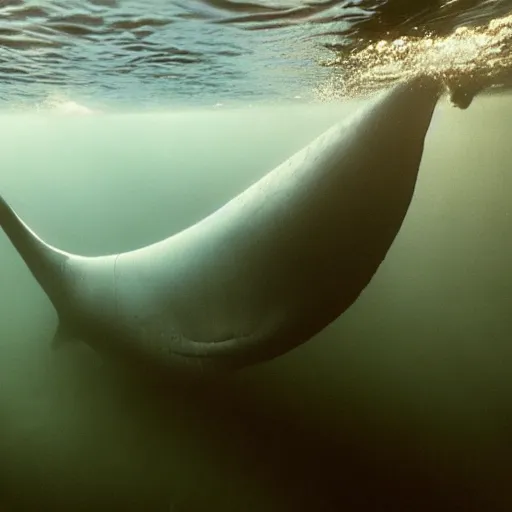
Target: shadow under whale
x: 262, y: 274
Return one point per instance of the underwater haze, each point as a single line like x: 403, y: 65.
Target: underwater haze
x: 123, y: 122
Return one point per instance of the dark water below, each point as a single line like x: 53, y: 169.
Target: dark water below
x: 137, y: 54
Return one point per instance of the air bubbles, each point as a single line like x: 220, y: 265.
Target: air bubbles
x: 468, y: 61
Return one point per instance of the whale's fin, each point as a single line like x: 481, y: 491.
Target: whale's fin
x: 63, y: 335
x: 46, y: 263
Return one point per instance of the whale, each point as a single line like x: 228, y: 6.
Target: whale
x: 263, y: 273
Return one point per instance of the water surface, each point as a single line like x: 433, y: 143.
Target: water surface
x: 134, y: 54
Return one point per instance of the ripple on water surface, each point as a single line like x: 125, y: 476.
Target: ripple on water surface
x: 205, y: 52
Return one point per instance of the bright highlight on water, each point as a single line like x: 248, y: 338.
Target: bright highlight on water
x: 468, y: 60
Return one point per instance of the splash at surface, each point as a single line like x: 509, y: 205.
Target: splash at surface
x: 469, y: 60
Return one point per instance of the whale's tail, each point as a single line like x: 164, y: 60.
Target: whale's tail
x: 46, y: 263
